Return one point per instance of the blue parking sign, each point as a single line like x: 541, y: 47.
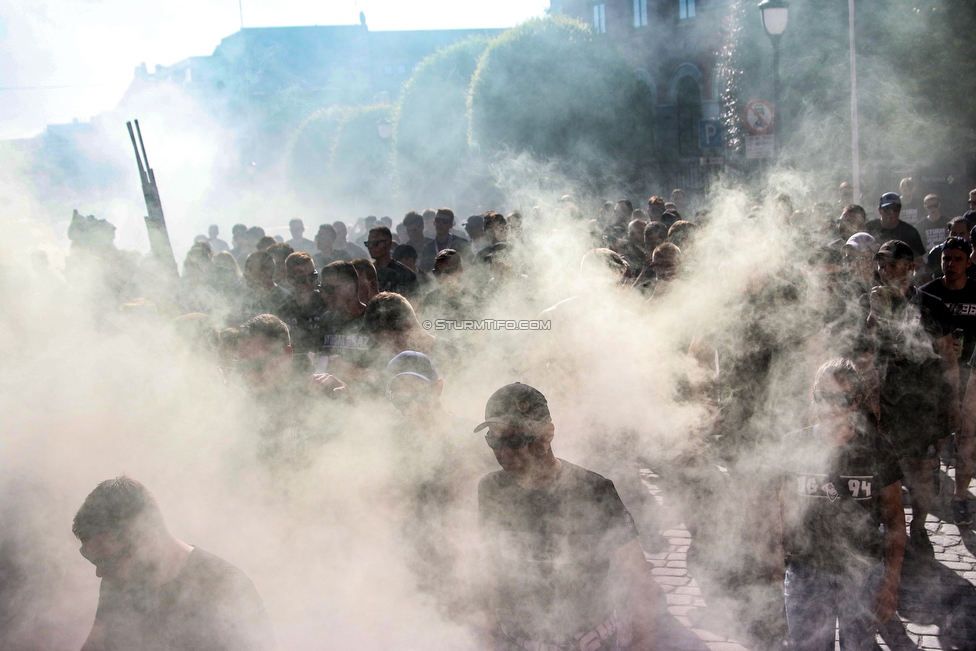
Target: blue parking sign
x: 709, y: 134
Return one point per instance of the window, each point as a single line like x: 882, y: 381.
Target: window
x: 387, y: 70
x: 686, y: 9
x: 689, y: 114
x: 401, y: 70
x: 640, y: 13
x: 600, y: 18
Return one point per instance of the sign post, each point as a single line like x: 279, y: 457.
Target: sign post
x: 760, y: 119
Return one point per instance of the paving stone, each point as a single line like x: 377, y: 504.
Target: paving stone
x: 679, y: 599
x: 672, y: 580
x: 689, y: 590
x: 677, y: 564
x: 681, y: 611
x: 725, y: 646
x: 708, y: 636
x: 668, y: 571
x: 922, y: 629
x: 950, y: 564
x: 676, y: 533
x: 680, y: 556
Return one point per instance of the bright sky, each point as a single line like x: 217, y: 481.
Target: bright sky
x: 66, y: 59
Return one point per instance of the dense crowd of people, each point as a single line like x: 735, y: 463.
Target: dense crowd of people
x: 317, y: 328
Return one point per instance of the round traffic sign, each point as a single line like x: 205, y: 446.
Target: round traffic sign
x: 760, y: 115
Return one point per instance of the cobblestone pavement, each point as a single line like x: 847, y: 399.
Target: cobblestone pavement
x: 937, y: 599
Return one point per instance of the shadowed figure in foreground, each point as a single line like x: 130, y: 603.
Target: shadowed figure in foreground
x: 159, y: 593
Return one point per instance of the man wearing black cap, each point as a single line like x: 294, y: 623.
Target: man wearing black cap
x: 891, y: 227
x: 919, y: 376
x: 551, y: 530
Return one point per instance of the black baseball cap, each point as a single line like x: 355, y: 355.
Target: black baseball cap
x: 516, y: 405
x: 889, y: 199
x: 895, y: 250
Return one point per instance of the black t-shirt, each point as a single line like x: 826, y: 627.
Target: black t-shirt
x: 914, y: 394
x: 902, y: 231
x: 933, y: 233
x: 834, y: 517
x: 210, y: 606
x: 396, y: 277
x: 346, y: 338
x: 962, y: 306
x: 304, y: 323
x: 550, y: 550
x: 320, y: 259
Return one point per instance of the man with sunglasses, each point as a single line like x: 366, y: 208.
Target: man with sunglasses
x: 448, y: 300
x: 933, y: 226
x: 391, y: 276
x: 157, y: 592
x: 443, y: 239
x: 551, y: 531
x: 304, y: 312
x: 344, y: 341
x: 919, y: 373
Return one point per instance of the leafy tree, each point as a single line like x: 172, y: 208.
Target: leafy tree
x: 360, y: 161
x: 430, y: 123
x: 549, y: 87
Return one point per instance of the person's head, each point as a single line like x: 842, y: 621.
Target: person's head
x: 655, y: 208
x: 679, y: 199
x: 602, y: 267
x: 238, y: 235
x: 297, y: 228
x: 906, y: 187
x: 370, y: 221
x: 972, y: 199
x: 959, y: 227
x: 896, y: 264
x: 325, y: 238
x: 846, y: 194
x: 655, y: 233
x: 514, y: 219
x: 682, y: 234
x: 622, y: 211
x: 414, y: 387
x: 387, y: 221
x: 301, y: 275
x: 198, y: 261
x: 407, y: 256
x: 666, y: 261
x: 933, y: 205
x: 389, y: 319
x: 264, y: 354
x: 214, y: 231
x: 368, y: 287
x: 443, y: 223
x: 225, y: 262
x: 853, y: 219
x: 414, y: 223
x: 496, y: 227
x: 120, y: 525
x: 340, y: 230
x: 379, y: 242
x: 474, y: 226
x: 253, y: 236
x: 259, y: 270
x: 265, y: 242
x: 339, y: 286
x: 956, y: 253
x: 838, y: 393
x: 448, y: 268
x: 859, y: 253
x: 889, y: 207
x: 520, y: 429
x: 428, y: 216
x: 783, y: 206
x: 279, y: 252
x: 635, y: 230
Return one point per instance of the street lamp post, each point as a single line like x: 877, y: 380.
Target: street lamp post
x: 775, y: 14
